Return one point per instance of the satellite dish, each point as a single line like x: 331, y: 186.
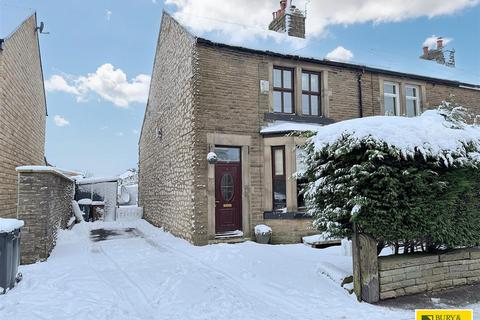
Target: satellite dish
x: 124, y: 196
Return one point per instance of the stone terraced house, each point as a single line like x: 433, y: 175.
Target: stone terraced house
x: 241, y: 104
x: 23, y: 109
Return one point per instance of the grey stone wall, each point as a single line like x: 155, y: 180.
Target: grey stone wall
x: 22, y: 110
x: 45, y: 205
x: 417, y: 273
x: 166, y: 157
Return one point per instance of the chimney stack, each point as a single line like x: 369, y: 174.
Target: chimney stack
x: 440, y: 43
x: 288, y: 19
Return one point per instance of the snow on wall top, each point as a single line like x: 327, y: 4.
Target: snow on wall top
x: 8, y: 225
x: 47, y: 169
x: 285, y: 126
x: 429, y: 134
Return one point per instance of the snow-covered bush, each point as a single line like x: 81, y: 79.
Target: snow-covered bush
x: 405, y: 181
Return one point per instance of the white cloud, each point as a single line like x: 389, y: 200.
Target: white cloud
x: 108, y: 13
x: 60, y: 121
x: 243, y: 20
x: 340, y: 54
x: 135, y: 131
x: 431, y: 42
x: 119, y: 134
x: 58, y: 83
x: 107, y: 82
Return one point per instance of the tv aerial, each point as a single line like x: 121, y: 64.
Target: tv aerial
x: 41, y: 27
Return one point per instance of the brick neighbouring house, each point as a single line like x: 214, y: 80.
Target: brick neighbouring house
x: 207, y: 96
x: 22, y: 109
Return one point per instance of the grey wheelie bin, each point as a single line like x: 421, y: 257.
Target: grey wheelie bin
x: 9, y: 259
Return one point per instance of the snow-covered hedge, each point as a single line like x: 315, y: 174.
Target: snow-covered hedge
x: 402, y: 180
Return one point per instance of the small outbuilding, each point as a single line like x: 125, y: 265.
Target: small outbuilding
x: 97, y: 197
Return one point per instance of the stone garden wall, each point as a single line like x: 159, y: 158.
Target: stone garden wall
x: 416, y: 273
x: 45, y: 205
x: 291, y: 230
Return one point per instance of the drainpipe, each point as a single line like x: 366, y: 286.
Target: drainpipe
x: 18, y: 195
x: 360, y: 97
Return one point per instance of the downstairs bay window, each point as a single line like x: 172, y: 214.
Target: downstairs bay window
x: 279, y: 184
x: 284, y: 158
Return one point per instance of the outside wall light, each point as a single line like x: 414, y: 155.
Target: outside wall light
x: 212, y: 158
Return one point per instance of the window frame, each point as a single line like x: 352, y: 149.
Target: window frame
x: 417, y: 98
x: 284, y: 90
x: 392, y: 95
x: 276, y: 177
x: 311, y: 93
x: 299, y: 180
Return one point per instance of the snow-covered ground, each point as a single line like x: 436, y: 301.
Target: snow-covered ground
x: 157, y: 276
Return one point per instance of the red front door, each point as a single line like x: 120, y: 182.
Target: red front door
x: 228, y: 197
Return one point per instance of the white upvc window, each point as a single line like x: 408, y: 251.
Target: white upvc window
x: 412, y: 100
x: 391, y: 98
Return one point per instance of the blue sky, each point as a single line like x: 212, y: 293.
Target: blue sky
x: 100, y: 128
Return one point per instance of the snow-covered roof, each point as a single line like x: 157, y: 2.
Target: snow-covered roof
x: 96, y: 180
x: 44, y: 169
x: 9, y: 225
x: 70, y: 173
x: 85, y: 202
x: 127, y: 174
x: 415, y: 69
x: 285, y: 126
x: 429, y: 134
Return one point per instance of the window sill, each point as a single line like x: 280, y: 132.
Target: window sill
x: 285, y: 215
x: 297, y: 118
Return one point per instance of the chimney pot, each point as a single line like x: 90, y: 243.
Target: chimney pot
x: 425, y: 51
x: 439, y: 43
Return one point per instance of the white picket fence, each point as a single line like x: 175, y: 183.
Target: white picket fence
x: 129, y: 213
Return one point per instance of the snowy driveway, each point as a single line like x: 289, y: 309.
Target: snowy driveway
x: 157, y: 276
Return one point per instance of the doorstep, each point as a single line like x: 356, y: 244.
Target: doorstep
x: 229, y: 237
x: 229, y: 240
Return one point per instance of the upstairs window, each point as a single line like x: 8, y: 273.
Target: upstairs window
x: 391, y: 98
x: 310, y: 93
x: 283, y: 90
x: 412, y: 103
